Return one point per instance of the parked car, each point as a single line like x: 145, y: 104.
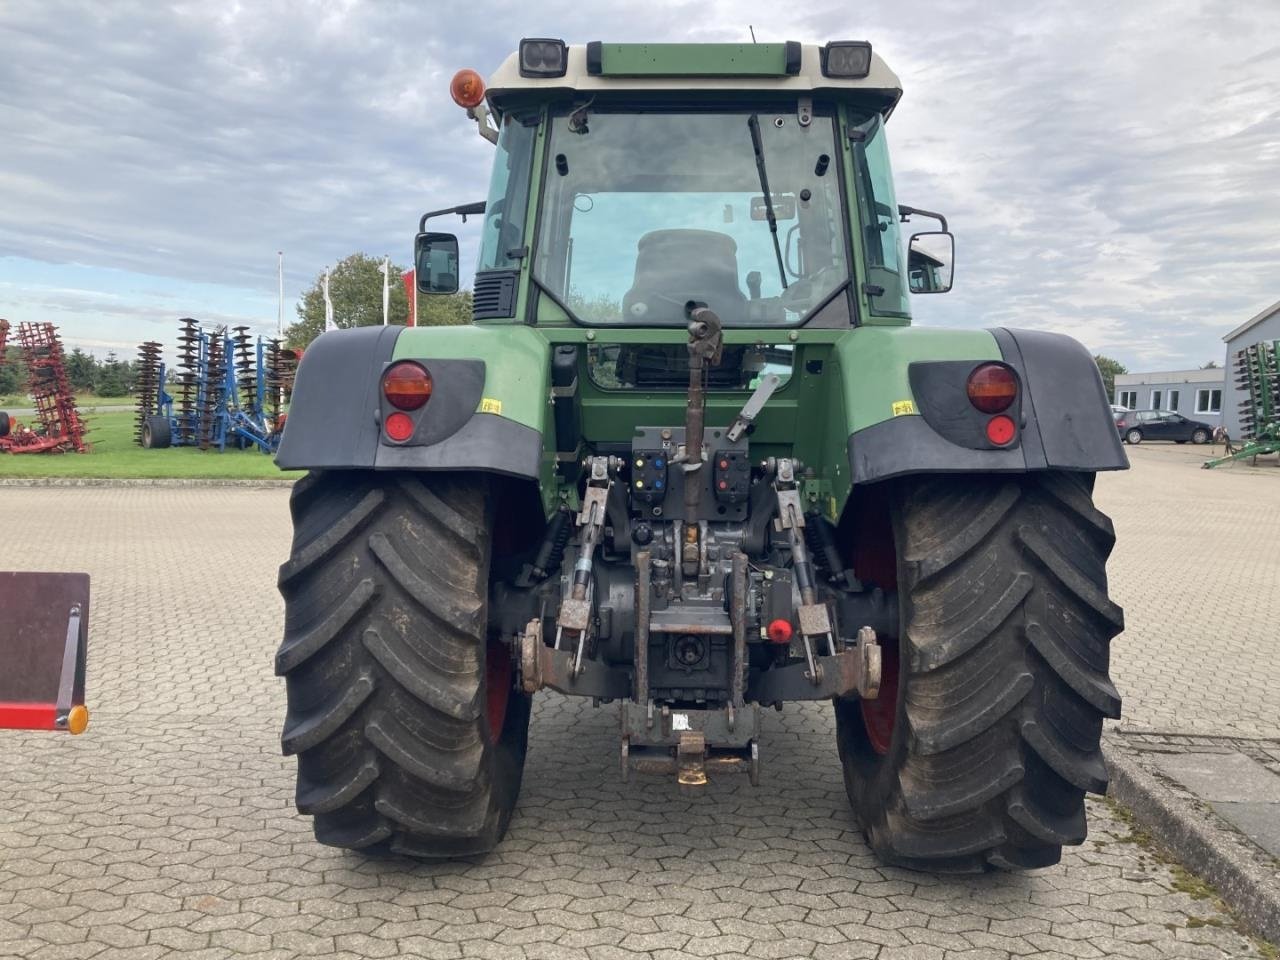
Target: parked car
x: 1117, y: 409
x: 1138, y: 425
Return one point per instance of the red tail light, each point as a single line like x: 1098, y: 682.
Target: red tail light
x: 992, y: 387
x: 406, y: 385
x: 1001, y: 430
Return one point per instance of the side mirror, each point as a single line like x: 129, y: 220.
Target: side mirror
x: 435, y: 260
x: 931, y: 262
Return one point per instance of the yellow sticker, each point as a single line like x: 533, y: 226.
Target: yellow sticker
x: 489, y: 405
x: 902, y: 408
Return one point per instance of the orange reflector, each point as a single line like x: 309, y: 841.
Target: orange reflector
x: 1000, y: 430
x: 779, y: 631
x: 78, y: 719
x: 467, y: 88
x: 399, y: 427
x: 406, y: 385
x: 992, y: 387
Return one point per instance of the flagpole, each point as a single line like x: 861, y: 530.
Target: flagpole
x: 328, y: 306
x: 280, y: 279
x: 386, y: 289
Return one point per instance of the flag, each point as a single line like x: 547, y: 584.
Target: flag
x: 328, y: 306
x: 385, y: 270
x: 411, y: 291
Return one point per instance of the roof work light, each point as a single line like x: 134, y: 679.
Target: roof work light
x: 846, y: 59
x: 540, y: 57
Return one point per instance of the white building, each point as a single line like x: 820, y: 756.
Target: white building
x: 1196, y: 394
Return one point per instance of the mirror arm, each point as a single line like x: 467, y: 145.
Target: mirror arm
x: 904, y: 211
x: 463, y: 210
x: 480, y: 114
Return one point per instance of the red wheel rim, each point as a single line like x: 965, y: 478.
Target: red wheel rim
x: 880, y: 715
x: 497, y: 663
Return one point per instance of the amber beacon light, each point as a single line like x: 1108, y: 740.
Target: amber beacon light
x: 467, y: 88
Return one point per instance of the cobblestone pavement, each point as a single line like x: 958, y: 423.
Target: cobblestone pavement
x: 168, y: 827
x: 1196, y: 568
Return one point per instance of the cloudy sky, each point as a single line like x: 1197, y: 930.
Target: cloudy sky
x: 1110, y: 168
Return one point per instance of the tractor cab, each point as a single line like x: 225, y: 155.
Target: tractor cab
x: 633, y: 179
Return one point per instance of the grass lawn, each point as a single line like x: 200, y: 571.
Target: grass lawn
x: 84, y: 401
x: 114, y: 455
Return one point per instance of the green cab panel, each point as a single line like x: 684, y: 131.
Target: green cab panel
x: 696, y: 59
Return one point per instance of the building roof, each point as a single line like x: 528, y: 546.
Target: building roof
x: 1212, y: 375
x: 1253, y: 321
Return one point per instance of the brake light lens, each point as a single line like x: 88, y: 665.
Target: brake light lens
x: 992, y: 387
x: 406, y: 385
x: 399, y: 427
x: 1000, y: 430
x: 467, y: 88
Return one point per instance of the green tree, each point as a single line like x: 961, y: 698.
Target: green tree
x: 13, y: 374
x: 355, y: 287
x: 82, y: 370
x: 1211, y: 365
x: 113, y: 378
x: 1109, y: 369
x: 438, y: 310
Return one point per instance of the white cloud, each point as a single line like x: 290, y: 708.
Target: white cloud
x: 1108, y: 168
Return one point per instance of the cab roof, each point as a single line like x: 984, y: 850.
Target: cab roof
x: 663, y: 70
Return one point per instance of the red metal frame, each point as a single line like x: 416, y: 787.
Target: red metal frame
x: 28, y: 716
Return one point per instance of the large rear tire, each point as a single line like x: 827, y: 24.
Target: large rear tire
x: 401, y: 711
x: 998, y: 683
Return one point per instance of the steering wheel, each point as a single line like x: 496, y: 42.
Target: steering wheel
x: 800, y: 295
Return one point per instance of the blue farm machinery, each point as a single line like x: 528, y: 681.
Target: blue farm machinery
x: 228, y: 389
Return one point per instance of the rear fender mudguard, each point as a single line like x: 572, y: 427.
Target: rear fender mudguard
x: 1063, y: 416
x: 486, y: 412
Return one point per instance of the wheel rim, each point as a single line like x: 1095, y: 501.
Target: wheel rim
x: 497, y: 680
x: 880, y: 715
x: 1134, y: 436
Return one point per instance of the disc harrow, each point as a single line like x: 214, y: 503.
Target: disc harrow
x: 247, y: 380
x: 224, y: 388
x: 147, y: 386
x: 1256, y: 369
x: 190, y: 357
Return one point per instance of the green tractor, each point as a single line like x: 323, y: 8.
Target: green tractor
x: 692, y: 459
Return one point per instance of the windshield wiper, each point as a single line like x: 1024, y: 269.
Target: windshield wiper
x: 757, y: 144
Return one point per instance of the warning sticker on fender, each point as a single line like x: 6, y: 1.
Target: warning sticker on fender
x: 489, y: 405
x: 903, y: 408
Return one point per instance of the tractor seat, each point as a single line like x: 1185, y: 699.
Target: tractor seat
x: 676, y: 266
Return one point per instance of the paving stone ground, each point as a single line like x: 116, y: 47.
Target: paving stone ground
x: 168, y: 828
x: 1196, y: 568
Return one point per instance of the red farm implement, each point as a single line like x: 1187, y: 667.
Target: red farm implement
x: 59, y: 427
x: 44, y: 621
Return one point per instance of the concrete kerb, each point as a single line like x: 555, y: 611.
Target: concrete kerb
x: 1199, y: 839
x: 177, y: 482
